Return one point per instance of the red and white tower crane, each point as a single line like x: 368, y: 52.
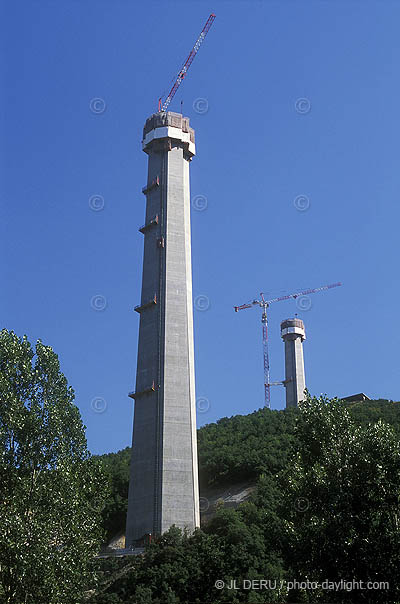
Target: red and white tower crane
x: 163, y: 105
x: 264, y: 304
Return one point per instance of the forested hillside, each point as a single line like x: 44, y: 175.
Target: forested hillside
x: 326, y: 508
x: 237, y: 448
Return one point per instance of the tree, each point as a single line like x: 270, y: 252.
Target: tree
x: 296, y: 525
x: 116, y: 465
x: 342, y: 503
x: 244, y: 446
x: 51, y: 491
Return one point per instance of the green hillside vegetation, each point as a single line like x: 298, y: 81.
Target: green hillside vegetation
x: 372, y: 411
x: 325, y: 505
x: 326, y: 508
x: 244, y: 446
x: 234, y: 449
x: 116, y: 466
x: 241, y: 447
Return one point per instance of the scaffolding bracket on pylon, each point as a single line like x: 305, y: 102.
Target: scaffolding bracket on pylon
x: 149, y: 224
x: 142, y: 307
x: 148, y: 390
x: 152, y: 185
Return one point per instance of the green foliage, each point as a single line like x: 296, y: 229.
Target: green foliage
x: 51, y: 490
x: 370, y: 412
x: 341, y: 501
x: 116, y: 466
x: 180, y: 568
x: 244, y: 446
x: 236, y: 449
x: 326, y: 507
x: 327, y: 504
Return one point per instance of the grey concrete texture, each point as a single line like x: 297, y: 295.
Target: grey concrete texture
x: 293, y: 335
x: 163, y: 486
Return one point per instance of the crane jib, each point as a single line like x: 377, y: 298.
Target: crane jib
x: 163, y: 106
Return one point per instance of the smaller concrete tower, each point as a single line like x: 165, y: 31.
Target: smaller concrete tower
x: 293, y: 334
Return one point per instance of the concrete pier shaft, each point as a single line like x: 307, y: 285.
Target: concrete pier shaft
x: 163, y: 487
x: 293, y: 334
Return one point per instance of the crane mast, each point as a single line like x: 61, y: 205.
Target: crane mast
x: 163, y: 105
x: 264, y: 322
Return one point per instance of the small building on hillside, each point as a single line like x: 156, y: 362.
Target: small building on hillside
x: 356, y: 398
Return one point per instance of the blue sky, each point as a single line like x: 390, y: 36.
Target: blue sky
x: 255, y: 154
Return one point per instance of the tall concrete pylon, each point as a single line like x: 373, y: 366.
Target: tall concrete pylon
x: 293, y: 334
x: 163, y: 488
